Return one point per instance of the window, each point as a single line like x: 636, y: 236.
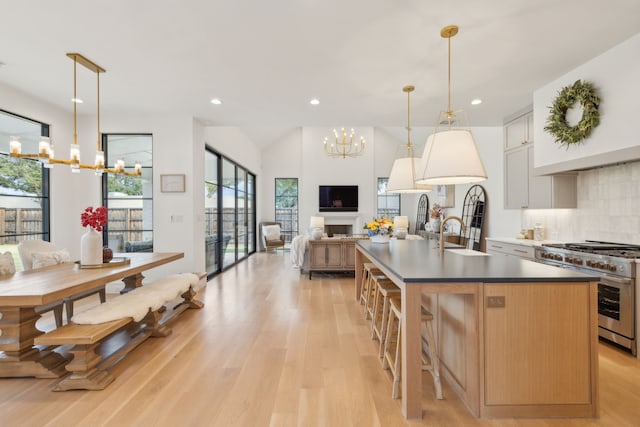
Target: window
x: 129, y: 198
x: 24, y: 186
x: 388, y: 203
x: 287, y: 207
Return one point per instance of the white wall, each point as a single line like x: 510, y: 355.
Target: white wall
x: 615, y: 76
x: 319, y: 169
x: 282, y: 159
x: 315, y: 169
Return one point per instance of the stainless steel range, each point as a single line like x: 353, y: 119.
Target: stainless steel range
x: 615, y: 263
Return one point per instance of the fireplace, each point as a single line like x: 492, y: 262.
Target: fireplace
x: 341, y: 223
x: 338, y: 229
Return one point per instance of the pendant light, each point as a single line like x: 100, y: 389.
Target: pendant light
x: 450, y: 155
x: 45, y: 150
x: 402, y: 178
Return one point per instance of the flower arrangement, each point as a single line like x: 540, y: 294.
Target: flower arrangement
x: 380, y: 226
x: 437, y: 211
x: 94, y: 218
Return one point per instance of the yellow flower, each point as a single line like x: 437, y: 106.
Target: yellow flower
x: 380, y: 226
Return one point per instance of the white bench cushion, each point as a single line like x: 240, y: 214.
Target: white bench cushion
x: 7, y: 266
x: 137, y: 303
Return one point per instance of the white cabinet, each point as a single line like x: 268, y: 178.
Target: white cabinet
x: 518, y: 131
x: 523, y: 189
x: 497, y: 247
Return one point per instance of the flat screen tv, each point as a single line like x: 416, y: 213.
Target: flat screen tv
x: 338, y: 198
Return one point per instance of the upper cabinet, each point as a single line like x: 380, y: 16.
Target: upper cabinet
x: 524, y: 189
x: 519, y: 131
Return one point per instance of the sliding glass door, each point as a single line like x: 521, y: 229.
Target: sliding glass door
x: 229, y: 212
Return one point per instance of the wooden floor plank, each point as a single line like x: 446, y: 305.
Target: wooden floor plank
x: 273, y: 348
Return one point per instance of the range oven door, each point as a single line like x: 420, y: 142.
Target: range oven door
x: 616, y: 298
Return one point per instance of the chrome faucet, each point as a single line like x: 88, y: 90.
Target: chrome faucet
x: 462, y: 226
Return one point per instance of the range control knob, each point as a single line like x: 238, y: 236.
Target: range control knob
x: 600, y: 264
x: 612, y: 267
x: 557, y: 257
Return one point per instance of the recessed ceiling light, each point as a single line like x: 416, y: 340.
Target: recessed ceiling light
x: 314, y: 101
x: 476, y: 101
x: 216, y: 101
x: 77, y: 100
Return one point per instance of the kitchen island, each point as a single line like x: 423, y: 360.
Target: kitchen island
x: 515, y: 338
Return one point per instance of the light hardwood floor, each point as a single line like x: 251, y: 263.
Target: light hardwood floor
x: 273, y: 348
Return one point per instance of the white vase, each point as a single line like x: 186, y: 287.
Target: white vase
x: 91, y: 248
x: 435, y: 224
x: 379, y: 238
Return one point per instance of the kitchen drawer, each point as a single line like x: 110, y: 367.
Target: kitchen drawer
x: 522, y: 251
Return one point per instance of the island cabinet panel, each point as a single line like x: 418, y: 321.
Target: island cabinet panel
x: 538, y: 346
x: 452, y: 333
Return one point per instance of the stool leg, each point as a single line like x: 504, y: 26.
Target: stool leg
x: 368, y: 296
x: 374, y: 313
x: 384, y: 327
x: 434, y: 369
x: 365, y: 283
x: 387, y: 342
x: 396, y: 377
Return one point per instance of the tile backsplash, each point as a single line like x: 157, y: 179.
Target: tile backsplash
x: 608, y: 208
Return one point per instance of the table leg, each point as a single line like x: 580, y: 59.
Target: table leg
x: 20, y: 358
x: 132, y: 282
x: 358, y: 266
x: 411, y: 352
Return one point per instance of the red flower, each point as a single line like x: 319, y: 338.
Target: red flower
x: 95, y: 219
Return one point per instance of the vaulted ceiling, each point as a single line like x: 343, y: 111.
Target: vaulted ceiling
x: 266, y: 59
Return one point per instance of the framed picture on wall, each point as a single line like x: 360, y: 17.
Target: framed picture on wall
x: 172, y: 183
x: 446, y: 195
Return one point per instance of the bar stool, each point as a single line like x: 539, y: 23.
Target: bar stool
x: 385, y: 289
x: 366, y: 296
x: 392, y: 344
x: 430, y: 359
x: 392, y: 347
x: 366, y: 268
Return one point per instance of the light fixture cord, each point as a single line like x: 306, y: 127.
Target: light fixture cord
x: 449, y: 77
x: 75, y: 102
x: 99, y: 142
x: 409, y: 122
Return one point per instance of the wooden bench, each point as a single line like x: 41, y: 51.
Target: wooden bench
x: 89, y: 364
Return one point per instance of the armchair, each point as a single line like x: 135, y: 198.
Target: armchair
x: 271, y: 236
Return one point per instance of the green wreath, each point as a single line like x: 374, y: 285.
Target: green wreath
x: 585, y: 94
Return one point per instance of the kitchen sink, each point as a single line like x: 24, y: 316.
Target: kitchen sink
x: 466, y: 252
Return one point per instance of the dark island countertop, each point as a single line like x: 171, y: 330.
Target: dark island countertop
x: 421, y: 261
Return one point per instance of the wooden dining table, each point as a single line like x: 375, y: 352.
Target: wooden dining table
x: 22, y: 292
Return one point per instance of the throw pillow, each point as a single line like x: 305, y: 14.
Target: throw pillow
x: 271, y: 232
x: 7, y: 266
x: 45, y: 259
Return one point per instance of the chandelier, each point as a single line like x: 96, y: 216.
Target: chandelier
x: 45, y: 151
x: 450, y: 156
x: 344, y: 145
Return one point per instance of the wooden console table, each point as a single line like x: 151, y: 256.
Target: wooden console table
x: 332, y: 254
x: 21, y: 293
